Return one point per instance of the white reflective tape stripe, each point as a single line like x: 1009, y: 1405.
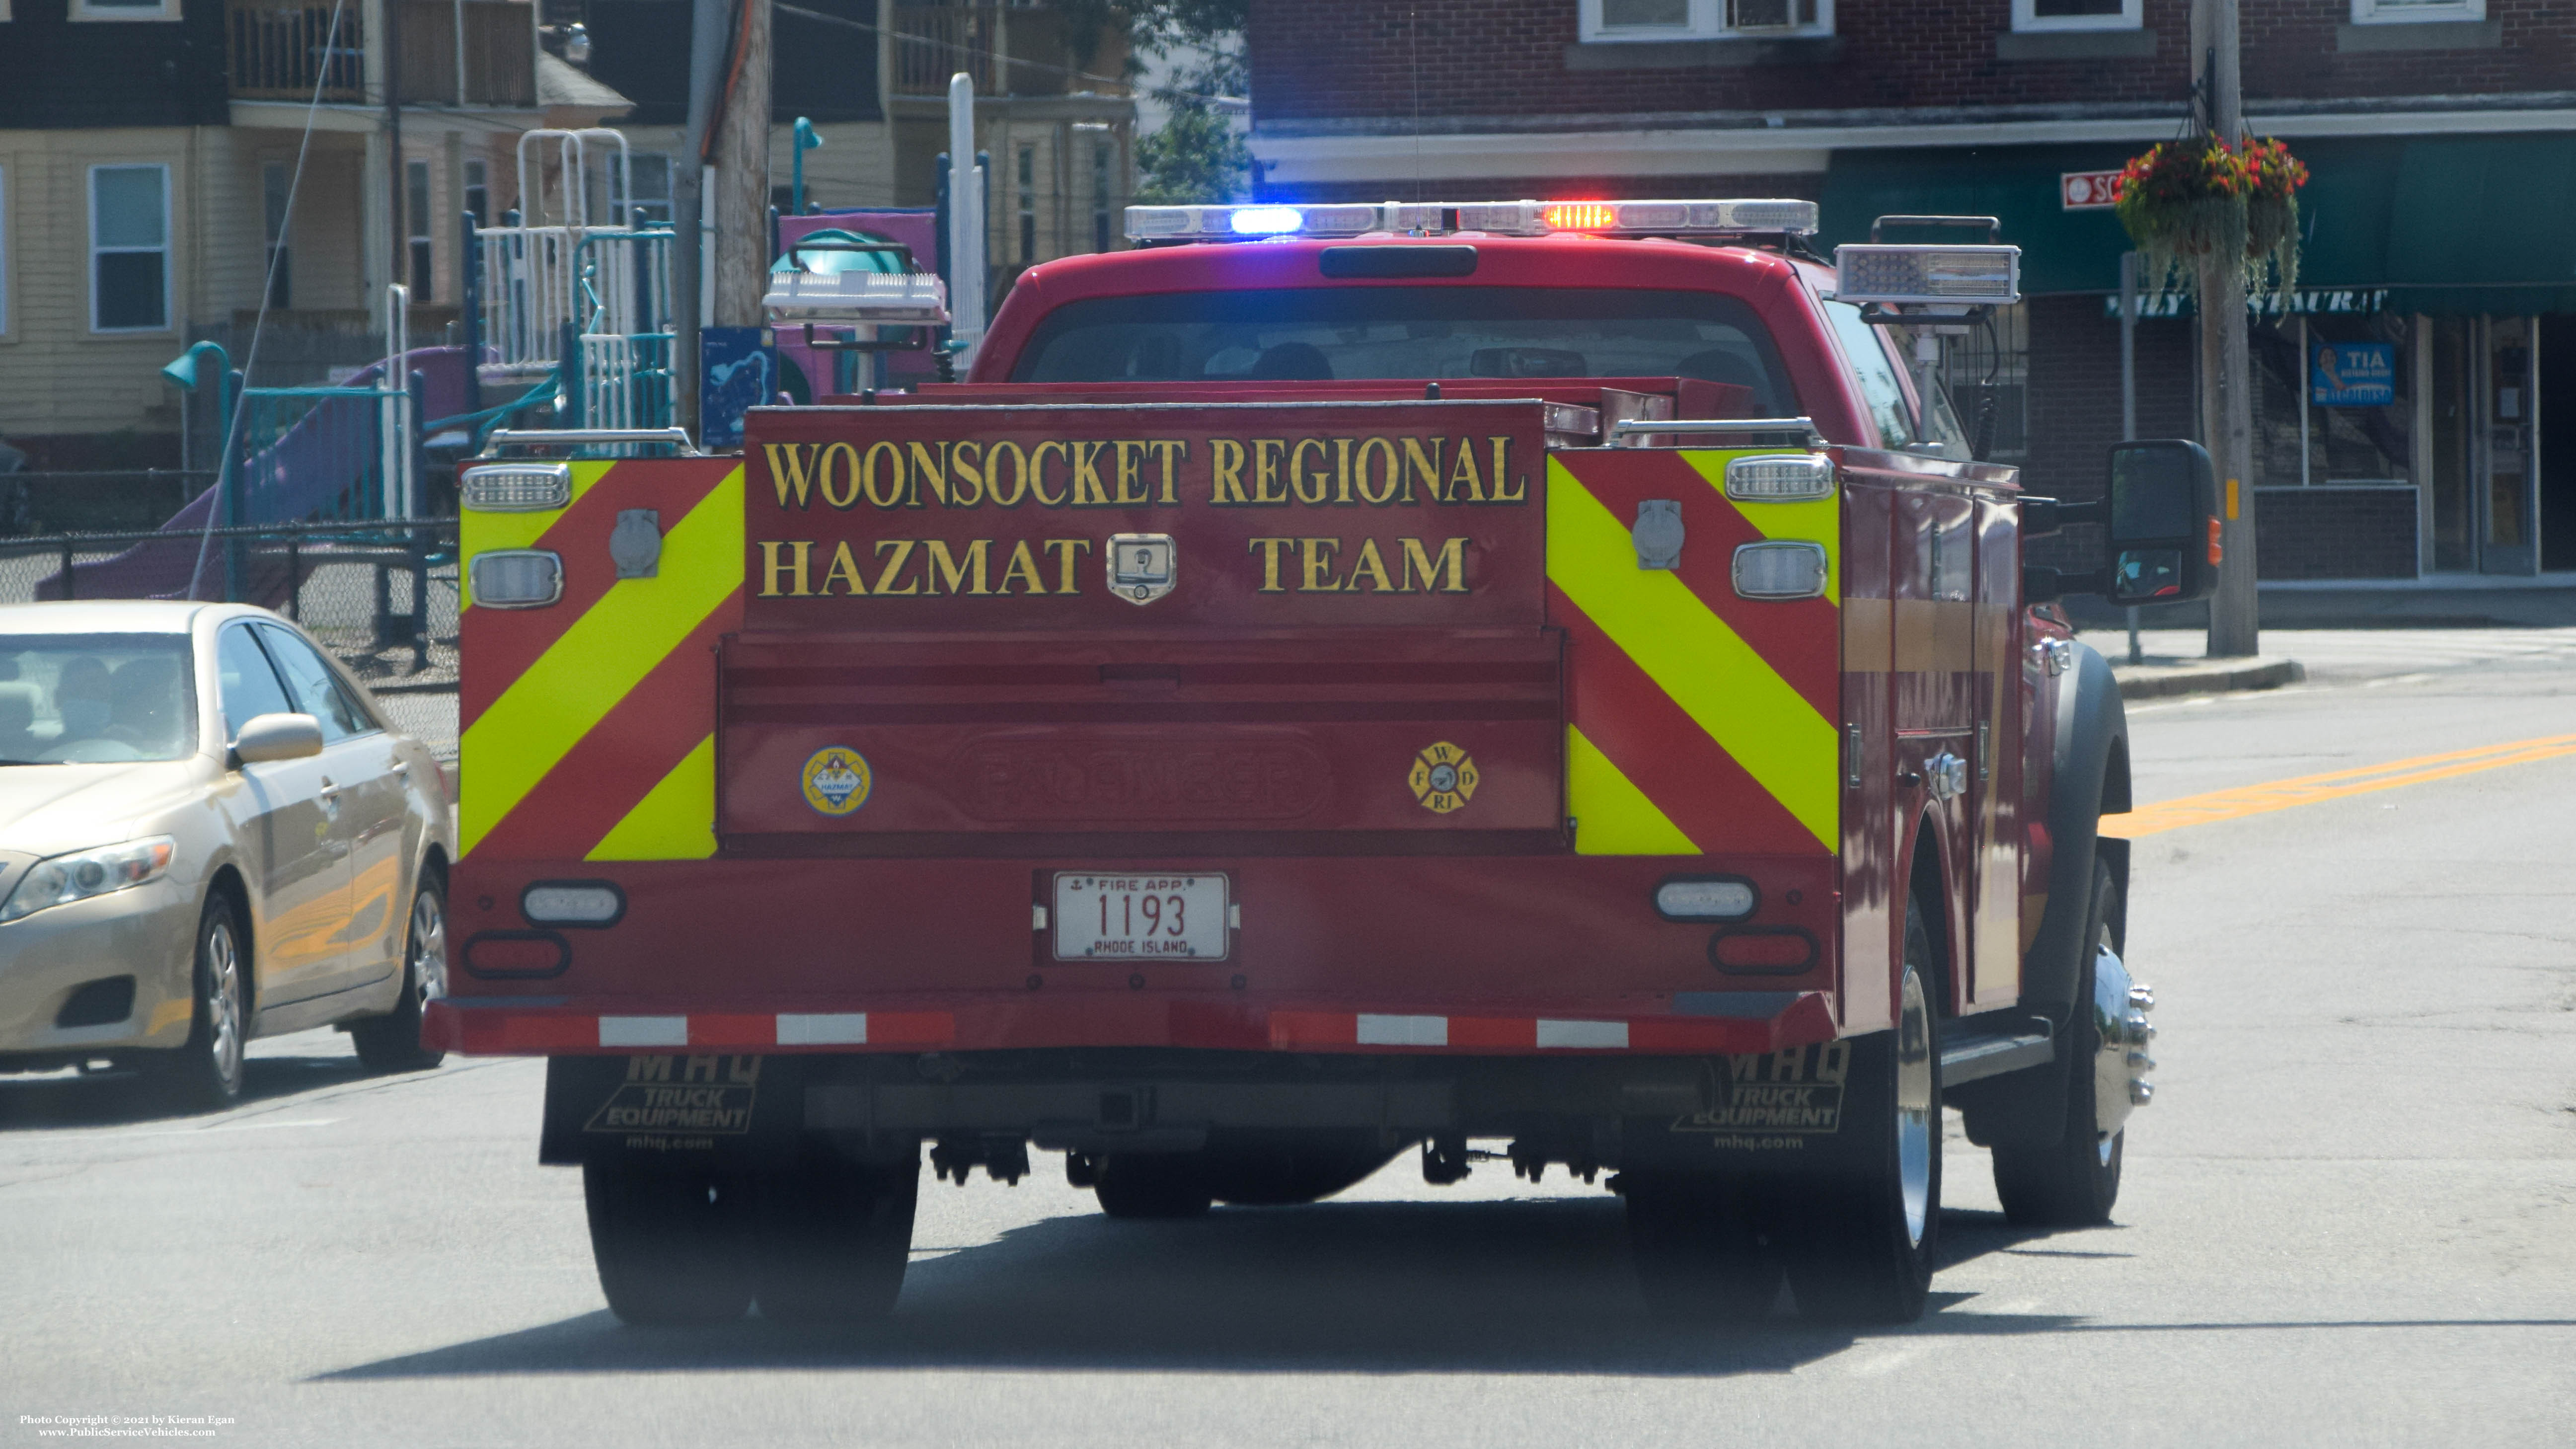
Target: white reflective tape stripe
x: 841, y: 1029
x: 1582, y: 1033
x: 1403, y: 1030
x: 643, y: 1031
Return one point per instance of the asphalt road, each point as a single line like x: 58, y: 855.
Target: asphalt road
x: 2350, y: 1216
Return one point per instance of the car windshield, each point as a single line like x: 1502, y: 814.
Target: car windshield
x: 1313, y: 334
x: 95, y: 698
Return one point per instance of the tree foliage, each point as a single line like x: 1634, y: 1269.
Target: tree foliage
x: 1197, y: 156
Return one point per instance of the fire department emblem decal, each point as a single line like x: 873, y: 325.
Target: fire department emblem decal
x: 837, y: 780
x: 1444, y: 778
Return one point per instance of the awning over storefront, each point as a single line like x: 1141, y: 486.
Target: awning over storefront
x: 2444, y: 224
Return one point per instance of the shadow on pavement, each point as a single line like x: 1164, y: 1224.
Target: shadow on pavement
x: 114, y: 1099
x: 1363, y: 1287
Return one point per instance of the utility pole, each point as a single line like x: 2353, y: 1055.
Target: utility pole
x: 710, y: 47
x: 741, y: 156
x: 2226, y: 398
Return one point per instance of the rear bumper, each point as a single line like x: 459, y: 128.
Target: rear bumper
x: 1711, y: 1023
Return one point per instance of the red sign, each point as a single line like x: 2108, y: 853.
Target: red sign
x: 2088, y: 190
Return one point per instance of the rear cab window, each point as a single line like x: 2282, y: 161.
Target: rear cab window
x: 1346, y: 334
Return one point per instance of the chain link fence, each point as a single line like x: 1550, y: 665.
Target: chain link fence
x: 382, y: 596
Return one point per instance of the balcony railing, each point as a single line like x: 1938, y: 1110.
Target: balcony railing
x: 500, y: 46
x: 282, y: 49
x: 933, y: 43
x: 1018, y: 50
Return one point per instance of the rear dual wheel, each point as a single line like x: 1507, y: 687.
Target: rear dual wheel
x: 821, y: 1243
x: 1851, y: 1219
x: 1866, y: 1233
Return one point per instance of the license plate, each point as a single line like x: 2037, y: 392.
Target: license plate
x: 1143, y: 917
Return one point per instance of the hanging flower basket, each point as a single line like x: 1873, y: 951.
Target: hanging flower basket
x: 2200, y: 197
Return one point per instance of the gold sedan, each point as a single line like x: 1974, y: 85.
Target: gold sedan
x: 207, y: 834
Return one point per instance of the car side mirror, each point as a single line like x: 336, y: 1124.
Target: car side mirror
x: 277, y: 737
x: 2163, y: 523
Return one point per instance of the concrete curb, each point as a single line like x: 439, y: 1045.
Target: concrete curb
x: 2157, y: 681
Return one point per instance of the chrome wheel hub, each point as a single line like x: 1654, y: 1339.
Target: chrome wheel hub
x: 428, y: 948
x: 1915, y: 1137
x: 223, y: 1003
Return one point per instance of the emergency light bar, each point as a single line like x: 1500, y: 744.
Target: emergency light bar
x: 1498, y: 218
x: 856, y: 299
x: 1928, y: 275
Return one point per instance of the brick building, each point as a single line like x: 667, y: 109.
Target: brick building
x: 2439, y: 229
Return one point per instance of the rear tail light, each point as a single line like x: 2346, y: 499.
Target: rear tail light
x: 1705, y: 900
x: 517, y: 578
x: 1781, y: 570
x: 573, y: 903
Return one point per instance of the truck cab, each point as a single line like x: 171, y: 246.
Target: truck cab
x: 1331, y: 682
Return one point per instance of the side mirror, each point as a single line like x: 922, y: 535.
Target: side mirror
x: 2163, y: 523
x: 277, y: 737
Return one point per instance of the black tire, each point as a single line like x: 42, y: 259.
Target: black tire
x: 1285, y: 1169
x: 1152, y: 1185
x: 1699, y: 1249
x: 206, y: 1074
x: 1867, y: 1229
x: 672, y: 1247
x: 835, y: 1237
x: 391, y: 1042
x: 2074, y: 1182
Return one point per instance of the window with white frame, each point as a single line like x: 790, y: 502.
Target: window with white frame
x: 129, y: 248
x: 643, y: 188
x: 1626, y: 20
x: 276, y: 202
x: 125, y: 9
x: 2400, y: 12
x: 416, y: 218
x: 2077, y: 14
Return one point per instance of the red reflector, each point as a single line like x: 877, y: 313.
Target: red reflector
x: 1763, y: 952
x: 516, y: 955
x: 2216, y: 554
x: 1577, y: 215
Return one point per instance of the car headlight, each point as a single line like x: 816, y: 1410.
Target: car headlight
x: 63, y: 879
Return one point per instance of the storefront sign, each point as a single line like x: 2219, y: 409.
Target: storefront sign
x: 2353, y: 375
x: 2088, y: 190
x: 2341, y: 301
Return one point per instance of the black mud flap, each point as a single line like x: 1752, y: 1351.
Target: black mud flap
x: 703, y: 1110
x: 1783, y: 1112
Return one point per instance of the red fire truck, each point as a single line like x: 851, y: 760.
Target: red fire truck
x: 1331, y: 681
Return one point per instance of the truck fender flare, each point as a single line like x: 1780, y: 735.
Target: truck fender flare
x: 2091, y: 779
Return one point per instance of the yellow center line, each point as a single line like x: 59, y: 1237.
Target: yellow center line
x: 2335, y: 785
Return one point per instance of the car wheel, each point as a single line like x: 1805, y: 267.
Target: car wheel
x: 1698, y: 1248
x: 672, y: 1247
x: 1869, y: 1230
x: 2074, y: 1182
x: 391, y: 1042
x: 835, y: 1237
x: 206, y: 1074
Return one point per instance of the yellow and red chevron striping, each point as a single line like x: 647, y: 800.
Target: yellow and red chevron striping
x: 586, y: 715
x: 579, y: 535
x: 1700, y: 721
x: 1662, y: 751
x: 1784, y: 632
x: 632, y: 748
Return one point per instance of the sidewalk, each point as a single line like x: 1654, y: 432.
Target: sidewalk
x: 2325, y: 658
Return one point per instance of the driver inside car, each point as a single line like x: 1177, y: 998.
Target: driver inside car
x: 81, y: 699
